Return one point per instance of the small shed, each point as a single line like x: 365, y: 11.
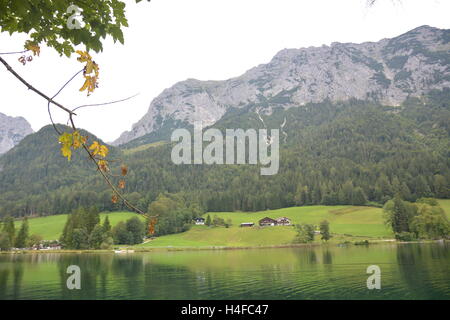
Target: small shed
x: 247, y: 224
x: 267, y: 222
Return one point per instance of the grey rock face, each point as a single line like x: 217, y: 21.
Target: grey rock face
x: 387, y: 71
x: 12, y: 131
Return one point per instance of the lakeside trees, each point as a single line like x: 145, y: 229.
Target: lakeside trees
x: 83, y: 230
x: 305, y: 233
x: 175, y: 213
x: 424, y: 219
x: 130, y: 232
x: 324, y: 228
x: 9, y: 238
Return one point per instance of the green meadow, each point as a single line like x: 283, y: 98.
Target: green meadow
x: 346, y: 222
x: 50, y: 227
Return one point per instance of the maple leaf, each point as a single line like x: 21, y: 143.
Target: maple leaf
x: 90, y: 83
x: 66, y: 141
x: 33, y: 47
x: 78, y: 139
x: 151, y: 226
x: 91, y: 72
x: 98, y: 149
x: 103, y: 165
x: 84, y: 56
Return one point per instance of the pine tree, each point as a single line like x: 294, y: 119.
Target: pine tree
x: 66, y: 238
x: 5, y: 244
x: 107, y: 226
x: 91, y: 218
x: 9, y: 228
x: 325, y: 230
x: 23, y: 234
x: 96, y: 237
x: 208, y: 220
x: 359, y: 197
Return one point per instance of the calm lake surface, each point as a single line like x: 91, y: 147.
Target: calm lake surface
x: 408, y: 271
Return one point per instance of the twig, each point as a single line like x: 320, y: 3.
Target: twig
x: 17, y: 52
x: 59, y: 91
x: 71, y: 114
x: 105, y: 103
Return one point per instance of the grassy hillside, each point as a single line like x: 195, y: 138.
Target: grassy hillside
x: 50, y: 227
x: 445, y: 204
x: 344, y: 220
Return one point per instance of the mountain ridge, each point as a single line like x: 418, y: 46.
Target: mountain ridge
x: 12, y: 131
x: 387, y: 71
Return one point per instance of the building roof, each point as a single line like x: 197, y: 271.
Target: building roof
x: 268, y: 219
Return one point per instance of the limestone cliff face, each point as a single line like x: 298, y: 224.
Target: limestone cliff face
x: 12, y: 130
x: 387, y: 71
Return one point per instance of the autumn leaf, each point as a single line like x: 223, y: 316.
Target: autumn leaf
x: 91, y: 72
x: 66, y: 140
x: 78, y: 139
x: 114, y: 198
x: 103, y: 165
x: 98, y: 149
x: 121, y: 184
x: 90, y: 84
x: 33, y: 47
x: 124, y: 170
x: 84, y: 56
x: 151, y: 226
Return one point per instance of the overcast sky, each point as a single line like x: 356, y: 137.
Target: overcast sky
x: 172, y: 40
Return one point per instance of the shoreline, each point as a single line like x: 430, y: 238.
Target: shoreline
x: 128, y: 250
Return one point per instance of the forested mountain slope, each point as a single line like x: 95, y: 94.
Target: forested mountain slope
x: 351, y: 152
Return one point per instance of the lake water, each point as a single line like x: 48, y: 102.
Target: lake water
x: 408, y: 271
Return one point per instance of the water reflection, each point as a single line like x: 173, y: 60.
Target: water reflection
x: 328, y: 272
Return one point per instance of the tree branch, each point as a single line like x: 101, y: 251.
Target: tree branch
x: 71, y: 114
x: 16, y: 52
x: 105, y: 103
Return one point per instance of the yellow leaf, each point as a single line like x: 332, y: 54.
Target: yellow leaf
x: 95, y: 148
x: 78, y: 139
x: 103, y: 151
x: 89, y: 67
x: 85, y: 85
x: 84, y: 56
x: 103, y: 165
x: 33, y: 47
x: 66, y: 140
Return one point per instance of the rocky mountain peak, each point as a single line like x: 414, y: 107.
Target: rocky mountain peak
x: 387, y: 71
x: 12, y: 130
